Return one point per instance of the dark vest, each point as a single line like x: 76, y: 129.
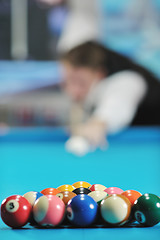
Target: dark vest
x: 149, y: 110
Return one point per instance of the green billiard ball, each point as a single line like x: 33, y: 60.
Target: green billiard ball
x: 146, y: 210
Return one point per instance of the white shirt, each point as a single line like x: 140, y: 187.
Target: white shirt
x: 116, y: 99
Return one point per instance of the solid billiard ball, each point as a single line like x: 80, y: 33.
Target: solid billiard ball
x: 82, y: 210
x: 81, y: 184
x: 97, y: 187
x: 147, y: 210
x: 15, y: 211
x: 66, y: 187
x: 132, y: 195
x: 50, y: 191
x: 115, y: 209
x: 98, y: 196
x: 113, y: 190
x: 66, y: 196
x: 49, y: 210
x: 32, y: 196
x: 81, y: 190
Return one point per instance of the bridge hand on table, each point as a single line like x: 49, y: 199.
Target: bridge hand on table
x: 87, y: 138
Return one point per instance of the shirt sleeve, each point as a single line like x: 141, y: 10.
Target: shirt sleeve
x: 119, y: 102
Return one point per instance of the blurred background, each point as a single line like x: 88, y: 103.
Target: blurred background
x: 31, y: 34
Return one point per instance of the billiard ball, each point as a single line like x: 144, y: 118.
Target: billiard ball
x: 50, y: 191
x: 66, y: 196
x: 96, y: 187
x: 147, y: 210
x: 132, y: 195
x: 49, y: 210
x: 32, y: 196
x: 81, y: 184
x: 115, y: 209
x: 66, y: 187
x: 81, y: 190
x: 113, y: 190
x: 82, y: 210
x: 98, y: 196
x: 15, y: 211
x: 78, y: 145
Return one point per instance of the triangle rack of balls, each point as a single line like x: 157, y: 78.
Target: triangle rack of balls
x: 81, y: 205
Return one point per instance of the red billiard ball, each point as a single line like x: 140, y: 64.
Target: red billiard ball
x: 15, y: 211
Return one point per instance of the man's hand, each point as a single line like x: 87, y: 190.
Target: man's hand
x: 94, y: 131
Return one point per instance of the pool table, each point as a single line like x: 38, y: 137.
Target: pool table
x: 35, y: 158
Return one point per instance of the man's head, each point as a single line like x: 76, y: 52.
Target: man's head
x: 84, y: 66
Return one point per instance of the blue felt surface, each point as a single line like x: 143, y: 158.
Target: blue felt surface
x: 132, y: 161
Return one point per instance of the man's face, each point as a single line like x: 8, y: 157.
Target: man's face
x: 79, y: 80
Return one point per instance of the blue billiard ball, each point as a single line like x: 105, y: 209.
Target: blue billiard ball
x: 82, y: 210
x: 32, y: 197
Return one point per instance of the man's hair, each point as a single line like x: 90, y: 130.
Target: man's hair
x: 90, y: 54
x: 95, y: 56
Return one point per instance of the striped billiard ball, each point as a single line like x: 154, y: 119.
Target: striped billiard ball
x: 97, y: 187
x: 32, y: 196
x: 115, y: 209
x: 98, y: 196
x: 49, y: 210
x: 15, y: 211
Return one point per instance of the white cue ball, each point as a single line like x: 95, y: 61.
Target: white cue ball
x: 77, y: 145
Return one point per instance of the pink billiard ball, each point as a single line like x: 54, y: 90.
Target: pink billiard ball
x: 49, y: 210
x: 15, y: 211
x: 113, y: 190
